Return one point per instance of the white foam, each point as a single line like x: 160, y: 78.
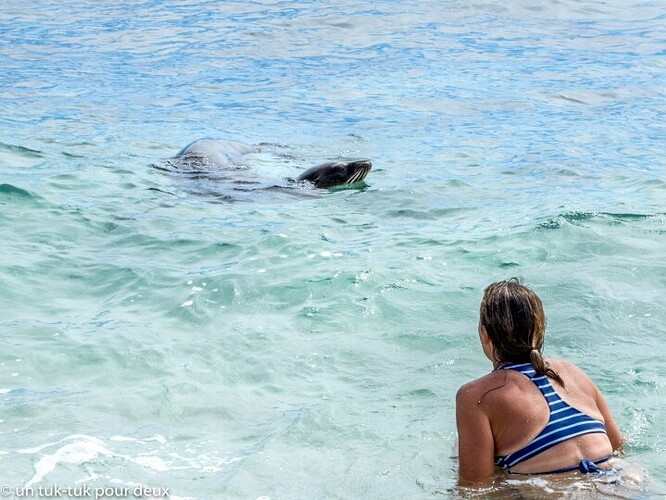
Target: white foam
x: 157, y: 437
x: 47, y: 445
x: 125, y: 439
x: 83, y: 450
x: 80, y: 448
x: 152, y: 462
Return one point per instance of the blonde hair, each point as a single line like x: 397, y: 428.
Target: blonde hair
x: 513, y: 316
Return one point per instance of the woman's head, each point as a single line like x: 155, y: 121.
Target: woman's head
x: 513, y: 318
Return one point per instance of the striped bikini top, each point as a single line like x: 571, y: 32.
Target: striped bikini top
x: 565, y: 422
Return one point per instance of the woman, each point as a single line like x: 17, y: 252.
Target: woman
x: 529, y: 415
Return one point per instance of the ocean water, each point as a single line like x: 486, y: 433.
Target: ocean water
x: 167, y: 332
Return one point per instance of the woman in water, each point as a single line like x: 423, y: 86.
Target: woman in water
x: 530, y: 415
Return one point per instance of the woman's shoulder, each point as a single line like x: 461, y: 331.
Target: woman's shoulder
x: 563, y: 367
x: 570, y: 372
x: 472, y: 390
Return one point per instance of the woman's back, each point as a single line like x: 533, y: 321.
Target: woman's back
x: 519, y: 412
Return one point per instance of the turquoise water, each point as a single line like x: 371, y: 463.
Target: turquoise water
x: 302, y: 345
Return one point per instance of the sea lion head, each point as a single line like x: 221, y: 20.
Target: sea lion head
x: 336, y: 173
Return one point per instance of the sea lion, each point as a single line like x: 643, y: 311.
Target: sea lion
x: 217, y: 151
x: 223, y: 153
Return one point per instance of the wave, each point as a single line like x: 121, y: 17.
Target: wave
x: 576, y: 218
x: 11, y: 192
x: 21, y: 150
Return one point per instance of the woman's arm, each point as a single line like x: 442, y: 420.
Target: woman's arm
x: 475, y: 439
x: 612, y: 429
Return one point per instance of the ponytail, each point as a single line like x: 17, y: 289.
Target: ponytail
x: 541, y: 367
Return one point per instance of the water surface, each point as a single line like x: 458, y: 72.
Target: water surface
x: 289, y: 346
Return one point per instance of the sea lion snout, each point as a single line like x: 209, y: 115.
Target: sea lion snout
x: 362, y: 168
